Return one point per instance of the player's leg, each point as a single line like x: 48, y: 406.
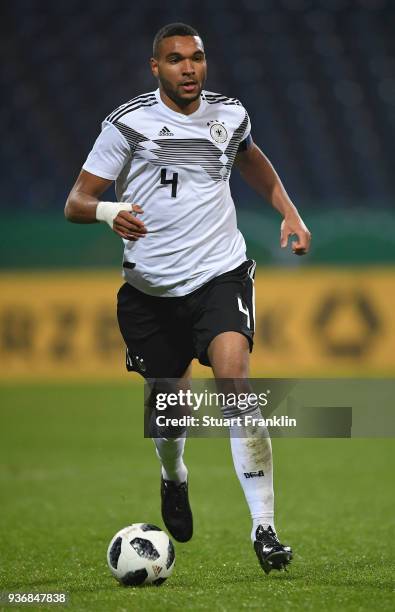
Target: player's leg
x: 251, y: 448
x: 158, y: 348
x: 224, y: 340
x: 169, y: 440
x: 170, y: 443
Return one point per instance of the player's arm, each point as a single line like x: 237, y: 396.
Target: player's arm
x: 258, y: 172
x: 84, y: 206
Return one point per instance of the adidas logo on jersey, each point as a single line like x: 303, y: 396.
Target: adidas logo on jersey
x: 165, y: 132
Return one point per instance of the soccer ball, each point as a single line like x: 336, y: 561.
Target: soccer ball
x: 141, y: 554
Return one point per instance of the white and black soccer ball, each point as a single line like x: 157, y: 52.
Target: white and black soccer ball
x: 141, y: 554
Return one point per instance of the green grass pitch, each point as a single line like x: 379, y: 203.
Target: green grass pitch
x: 75, y: 468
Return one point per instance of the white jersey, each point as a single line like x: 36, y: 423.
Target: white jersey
x: 177, y: 168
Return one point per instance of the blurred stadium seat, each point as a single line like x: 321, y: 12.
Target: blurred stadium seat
x: 318, y: 78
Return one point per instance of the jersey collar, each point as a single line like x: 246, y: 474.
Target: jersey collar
x: 179, y: 116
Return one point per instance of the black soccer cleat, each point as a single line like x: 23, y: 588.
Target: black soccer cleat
x: 270, y: 552
x: 176, y: 511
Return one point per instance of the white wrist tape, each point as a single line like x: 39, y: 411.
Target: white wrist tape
x: 107, y: 211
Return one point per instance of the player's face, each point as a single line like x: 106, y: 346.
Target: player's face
x: 181, y: 68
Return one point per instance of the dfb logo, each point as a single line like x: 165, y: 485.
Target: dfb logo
x: 254, y: 474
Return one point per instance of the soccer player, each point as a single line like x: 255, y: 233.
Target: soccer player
x: 189, y: 285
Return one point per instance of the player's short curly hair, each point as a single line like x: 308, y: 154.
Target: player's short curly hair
x: 172, y: 29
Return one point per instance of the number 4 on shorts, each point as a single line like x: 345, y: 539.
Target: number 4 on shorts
x: 243, y: 308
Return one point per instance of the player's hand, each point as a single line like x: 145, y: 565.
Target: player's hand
x: 128, y: 226
x: 294, y: 225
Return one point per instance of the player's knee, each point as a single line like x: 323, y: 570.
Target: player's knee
x: 234, y: 365
x: 229, y: 364
x: 165, y: 420
x: 234, y: 370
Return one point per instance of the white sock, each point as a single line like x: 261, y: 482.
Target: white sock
x: 170, y: 452
x: 252, y: 458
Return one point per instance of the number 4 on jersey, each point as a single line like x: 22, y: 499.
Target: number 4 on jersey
x: 173, y: 181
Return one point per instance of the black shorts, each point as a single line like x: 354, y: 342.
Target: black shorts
x: 164, y: 334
